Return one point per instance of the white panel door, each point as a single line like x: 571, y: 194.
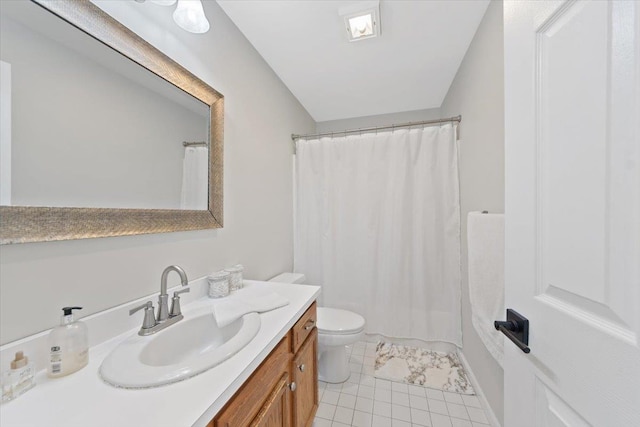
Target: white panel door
x: 572, y: 223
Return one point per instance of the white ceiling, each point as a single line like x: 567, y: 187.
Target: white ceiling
x: 410, y: 67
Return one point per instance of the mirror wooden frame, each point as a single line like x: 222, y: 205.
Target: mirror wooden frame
x: 23, y: 224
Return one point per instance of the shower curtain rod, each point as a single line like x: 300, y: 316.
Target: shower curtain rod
x: 456, y: 119
x: 192, y: 143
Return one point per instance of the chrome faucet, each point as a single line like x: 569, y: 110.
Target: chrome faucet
x: 163, y: 299
x: 153, y: 324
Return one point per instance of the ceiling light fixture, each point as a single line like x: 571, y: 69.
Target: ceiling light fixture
x: 189, y: 14
x: 361, y: 20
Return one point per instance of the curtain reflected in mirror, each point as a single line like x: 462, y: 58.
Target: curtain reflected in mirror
x: 194, y: 176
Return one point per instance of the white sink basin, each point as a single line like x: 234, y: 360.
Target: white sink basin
x: 181, y: 351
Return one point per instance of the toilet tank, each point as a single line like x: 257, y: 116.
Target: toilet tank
x: 289, y: 278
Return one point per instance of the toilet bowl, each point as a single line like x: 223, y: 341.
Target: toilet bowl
x: 336, y: 330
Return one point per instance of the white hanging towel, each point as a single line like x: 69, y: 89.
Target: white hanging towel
x: 195, y: 179
x: 485, y: 240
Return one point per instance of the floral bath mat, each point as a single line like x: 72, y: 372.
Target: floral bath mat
x: 417, y: 366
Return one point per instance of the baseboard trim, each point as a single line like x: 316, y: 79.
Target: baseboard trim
x: 493, y: 420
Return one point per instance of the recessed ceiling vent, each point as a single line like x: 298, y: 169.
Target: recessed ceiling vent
x: 361, y: 20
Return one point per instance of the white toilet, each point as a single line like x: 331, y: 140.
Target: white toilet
x: 336, y: 330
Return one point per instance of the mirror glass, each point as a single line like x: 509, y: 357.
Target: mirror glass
x: 84, y: 126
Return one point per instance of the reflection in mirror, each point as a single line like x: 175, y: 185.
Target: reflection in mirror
x: 89, y: 128
x: 66, y: 175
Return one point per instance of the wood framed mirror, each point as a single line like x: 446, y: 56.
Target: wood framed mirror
x: 35, y: 221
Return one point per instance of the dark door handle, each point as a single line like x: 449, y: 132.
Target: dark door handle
x: 516, y: 328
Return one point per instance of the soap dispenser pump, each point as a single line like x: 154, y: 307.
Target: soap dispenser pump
x: 68, y: 345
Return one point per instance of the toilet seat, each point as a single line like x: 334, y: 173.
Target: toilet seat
x: 334, y: 321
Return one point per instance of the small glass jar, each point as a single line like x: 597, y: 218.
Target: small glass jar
x: 19, y: 379
x: 218, y: 284
x: 235, y: 278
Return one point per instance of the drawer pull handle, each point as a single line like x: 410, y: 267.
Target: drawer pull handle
x: 293, y: 386
x: 310, y: 324
x: 301, y: 367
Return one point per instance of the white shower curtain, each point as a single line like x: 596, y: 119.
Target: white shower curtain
x: 195, y: 179
x: 377, y: 224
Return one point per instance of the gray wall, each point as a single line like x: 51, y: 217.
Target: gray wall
x: 477, y: 92
x: 37, y: 279
x: 379, y: 120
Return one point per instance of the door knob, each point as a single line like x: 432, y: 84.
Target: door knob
x: 516, y: 328
x: 293, y: 386
x: 301, y: 367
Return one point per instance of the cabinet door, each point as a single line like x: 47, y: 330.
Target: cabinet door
x: 305, y: 376
x: 249, y: 402
x: 277, y: 409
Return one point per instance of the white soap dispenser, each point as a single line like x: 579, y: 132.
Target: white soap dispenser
x: 68, y: 346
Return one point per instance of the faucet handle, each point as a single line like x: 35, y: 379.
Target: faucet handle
x: 146, y: 305
x: 184, y: 291
x: 175, y: 303
x: 149, y: 319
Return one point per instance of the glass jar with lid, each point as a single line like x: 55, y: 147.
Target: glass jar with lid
x: 235, y: 277
x: 218, y: 284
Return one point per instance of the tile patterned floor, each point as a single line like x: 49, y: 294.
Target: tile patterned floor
x: 365, y: 401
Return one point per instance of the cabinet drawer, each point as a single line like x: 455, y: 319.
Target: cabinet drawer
x: 248, y: 401
x: 303, y: 328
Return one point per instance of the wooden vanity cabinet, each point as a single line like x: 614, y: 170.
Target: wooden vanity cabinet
x: 283, y: 390
x: 250, y: 401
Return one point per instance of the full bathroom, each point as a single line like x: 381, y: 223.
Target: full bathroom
x: 319, y: 213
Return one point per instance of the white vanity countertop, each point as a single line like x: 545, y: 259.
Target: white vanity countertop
x: 83, y: 399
